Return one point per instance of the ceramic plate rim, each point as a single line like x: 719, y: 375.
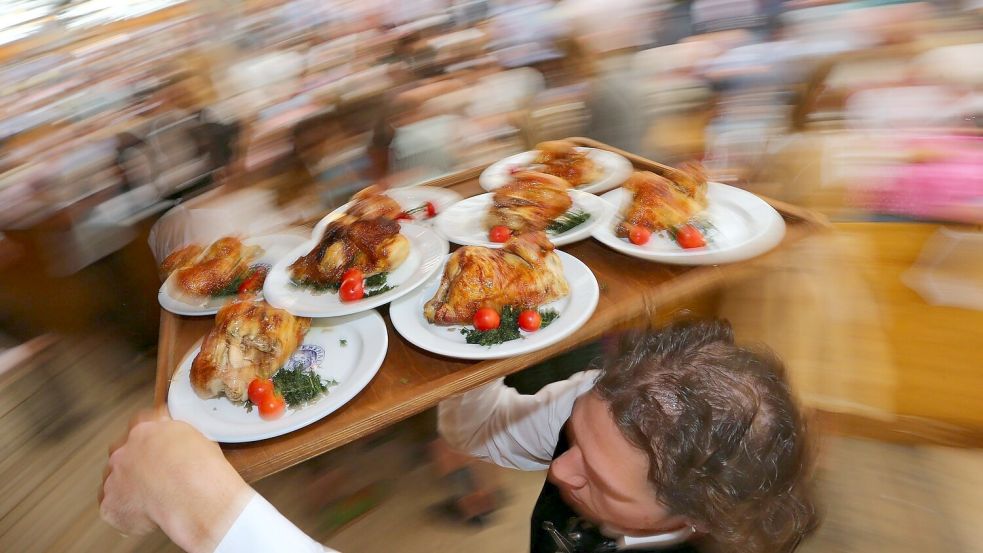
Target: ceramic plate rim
x: 402, y: 314
x: 273, y: 297
x: 365, y: 371
x: 178, y: 307
x: 601, y: 211
x: 621, y: 170
x: 768, y: 234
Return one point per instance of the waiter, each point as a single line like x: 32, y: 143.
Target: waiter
x: 683, y: 442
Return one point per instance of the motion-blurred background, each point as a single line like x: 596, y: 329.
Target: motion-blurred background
x: 272, y: 112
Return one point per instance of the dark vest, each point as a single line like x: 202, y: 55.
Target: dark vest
x: 553, y: 520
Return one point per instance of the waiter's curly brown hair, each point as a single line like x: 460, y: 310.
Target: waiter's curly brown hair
x: 726, y: 443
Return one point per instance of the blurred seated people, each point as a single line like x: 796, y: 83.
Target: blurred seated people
x: 682, y: 441
x: 335, y: 155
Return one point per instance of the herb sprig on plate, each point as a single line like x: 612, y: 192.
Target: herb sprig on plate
x: 508, y: 328
x: 567, y: 221
x: 298, y: 386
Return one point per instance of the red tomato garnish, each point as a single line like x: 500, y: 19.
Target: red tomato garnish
x: 530, y: 320
x: 254, y: 282
x: 689, y: 236
x: 639, y: 235
x: 352, y: 274
x: 431, y: 210
x: 272, y: 407
x: 499, y: 234
x: 259, y: 389
x: 352, y: 290
x: 404, y: 216
x: 486, y: 318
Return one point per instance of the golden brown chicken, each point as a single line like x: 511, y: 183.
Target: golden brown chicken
x: 658, y: 203
x: 370, y: 245
x: 179, y: 259
x: 372, y: 203
x: 250, y: 340
x: 530, y: 202
x: 225, y: 260
x: 562, y: 159
x: 525, y: 273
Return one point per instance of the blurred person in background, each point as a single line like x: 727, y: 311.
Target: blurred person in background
x: 683, y: 441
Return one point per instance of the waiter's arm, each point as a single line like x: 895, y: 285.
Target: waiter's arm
x: 166, y: 474
x: 498, y: 424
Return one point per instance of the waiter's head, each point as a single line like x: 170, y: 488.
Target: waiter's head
x: 685, y: 428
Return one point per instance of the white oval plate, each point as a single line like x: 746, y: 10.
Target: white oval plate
x: 615, y: 168
x: 744, y: 226
x: 410, y: 197
x: 427, y: 251
x: 274, y: 246
x: 575, y: 310
x: 352, y: 366
x: 464, y: 223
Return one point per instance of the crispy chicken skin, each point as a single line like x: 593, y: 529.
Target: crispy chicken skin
x: 217, y: 267
x: 530, y: 202
x: 370, y: 245
x: 561, y: 158
x: 250, y: 340
x: 658, y: 203
x: 179, y: 259
x: 526, y: 273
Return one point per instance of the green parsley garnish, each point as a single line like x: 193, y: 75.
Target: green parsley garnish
x: 508, y: 328
x: 316, y: 286
x: 343, y: 342
x: 233, y: 287
x: 377, y: 291
x: 376, y: 280
x: 567, y: 221
x: 300, y: 387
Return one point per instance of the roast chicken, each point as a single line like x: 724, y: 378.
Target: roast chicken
x: 525, y: 273
x: 214, y: 269
x: 562, y: 159
x: 179, y: 259
x: 370, y: 245
x: 658, y: 203
x: 250, y: 340
x: 530, y: 202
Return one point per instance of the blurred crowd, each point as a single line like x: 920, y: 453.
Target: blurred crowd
x: 862, y: 108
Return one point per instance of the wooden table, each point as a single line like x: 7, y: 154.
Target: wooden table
x: 412, y: 380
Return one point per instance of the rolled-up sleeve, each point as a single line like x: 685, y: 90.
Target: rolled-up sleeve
x: 498, y: 424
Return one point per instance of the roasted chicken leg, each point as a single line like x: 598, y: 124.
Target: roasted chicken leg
x: 562, y: 159
x: 658, y: 203
x: 525, y: 273
x: 217, y: 267
x: 370, y: 245
x: 250, y: 340
x: 530, y: 202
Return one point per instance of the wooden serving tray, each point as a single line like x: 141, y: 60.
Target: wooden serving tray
x: 412, y: 380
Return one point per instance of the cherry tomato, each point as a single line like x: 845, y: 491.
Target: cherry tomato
x: 530, y: 320
x: 254, y: 282
x: 486, y: 318
x: 352, y: 274
x: 404, y: 216
x: 272, y: 407
x: 689, y: 236
x: 431, y: 210
x: 259, y: 389
x: 639, y: 235
x: 352, y: 290
x: 499, y: 234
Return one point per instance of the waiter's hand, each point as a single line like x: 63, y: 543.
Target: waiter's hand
x: 165, y: 473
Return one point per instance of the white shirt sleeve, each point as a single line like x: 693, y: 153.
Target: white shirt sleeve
x: 498, y: 424
x: 261, y: 528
